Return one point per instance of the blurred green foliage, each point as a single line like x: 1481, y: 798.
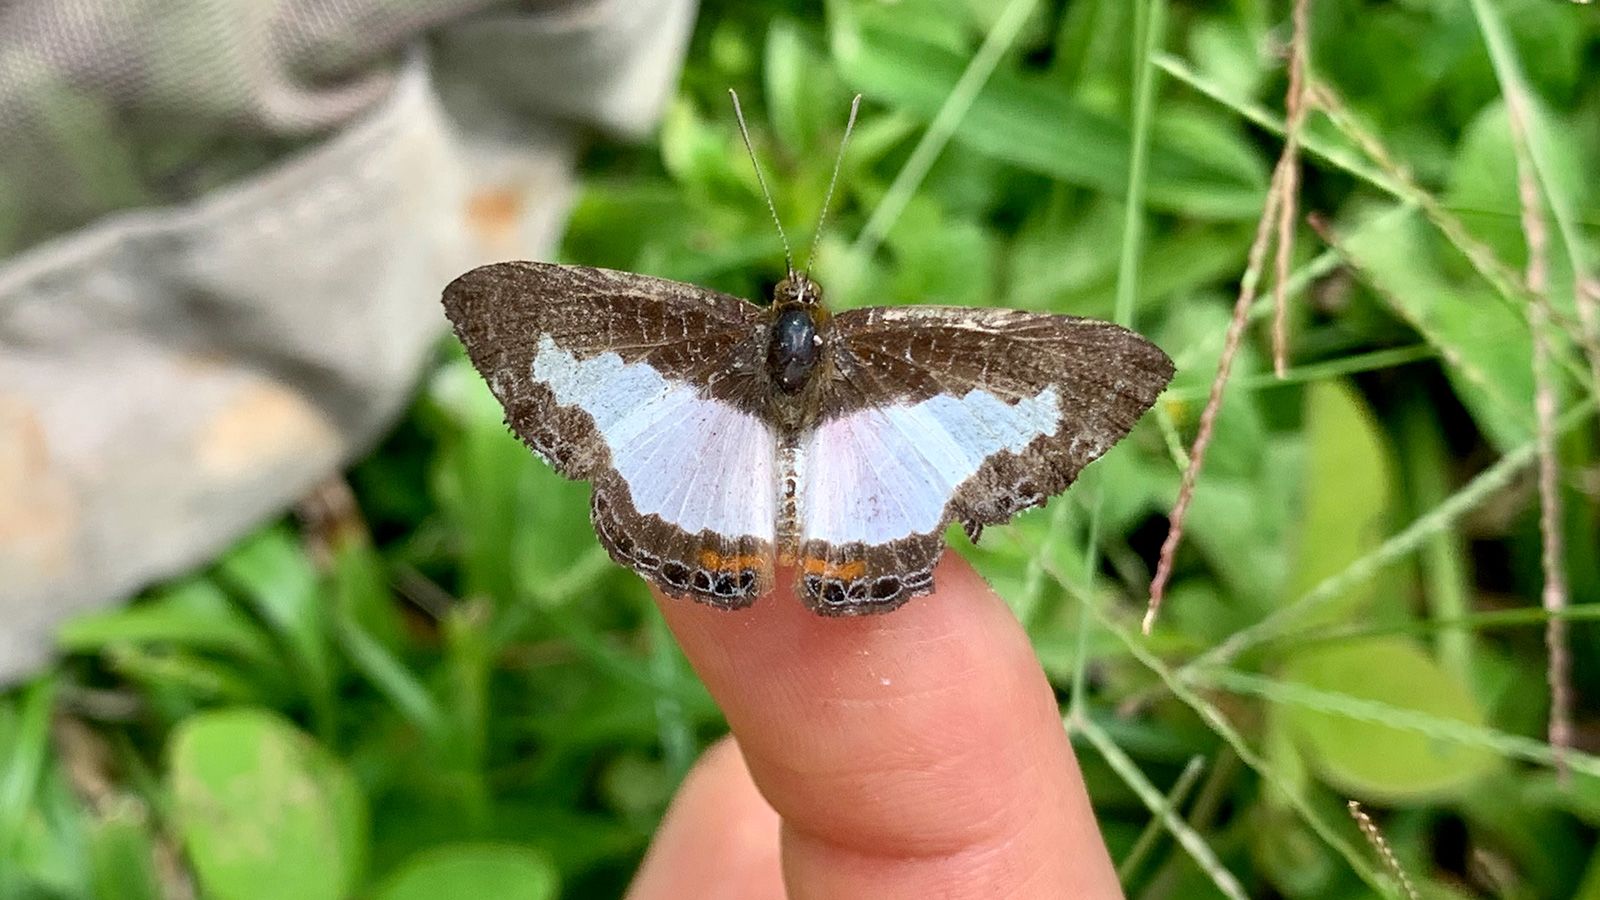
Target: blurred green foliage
x: 455, y: 693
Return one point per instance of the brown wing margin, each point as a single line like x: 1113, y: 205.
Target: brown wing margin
x: 1106, y: 378
x: 686, y: 333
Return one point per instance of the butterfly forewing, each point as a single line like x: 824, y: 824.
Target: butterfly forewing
x: 652, y: 390
x: 937, y: 415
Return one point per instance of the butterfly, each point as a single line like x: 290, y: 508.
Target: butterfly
x: 725, y: 439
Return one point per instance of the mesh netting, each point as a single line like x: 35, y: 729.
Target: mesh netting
x: 106, y: 106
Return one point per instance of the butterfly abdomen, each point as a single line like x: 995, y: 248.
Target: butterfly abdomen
x: 791, y: 463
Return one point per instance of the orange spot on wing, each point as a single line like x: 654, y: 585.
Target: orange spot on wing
x: 711, y: 559
x: 813, y: 565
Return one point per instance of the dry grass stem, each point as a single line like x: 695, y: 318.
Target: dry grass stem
x: 1380, y: 844
x: 1449, y: 352
x: 1554, y: 595
x: 1482, y: 259
x: 1248, y: 286
x: 1295, y: 106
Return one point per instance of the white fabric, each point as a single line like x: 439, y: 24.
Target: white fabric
x: 884, y: 473
x: 695, y: 462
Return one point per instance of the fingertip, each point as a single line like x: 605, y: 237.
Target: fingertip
x: 928, y: 734
x: 719, y: 838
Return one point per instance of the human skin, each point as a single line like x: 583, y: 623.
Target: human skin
x: 916, y: 754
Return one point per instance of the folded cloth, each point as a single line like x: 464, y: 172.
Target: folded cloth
x: 228, y: 223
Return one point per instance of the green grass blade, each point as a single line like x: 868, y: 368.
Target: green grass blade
x: 1219, y: 724
x: 1402, y: 544
x: 1451, y: 731
x: 1187, y: 837
x: 1146, y: 842
x: 1341, y: 157
x: 933, y: 141
x: 1151, y: 31
x: 24, y: 762
x: 1513, y: 84
x: 390, y: 676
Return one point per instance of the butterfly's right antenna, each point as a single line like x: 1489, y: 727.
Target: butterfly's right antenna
x: 738, y: 113
x: 838, y: 163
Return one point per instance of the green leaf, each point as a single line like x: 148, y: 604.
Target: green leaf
x: 264, y: 811
x: 1058, y: 256
x: 524, y: 527
x: 1578, y: 794
x: 1228, y: 52
x: 478, y: 474
x: 360, y: 589
x: 195, y: 614
x: 1289, y: 854
x: 1485, y: 344
x: 478, y: 871
x: 1590, y: 889
x: 1038, y: 126
x: 1242, y: 543
x: 1378, y: 762
x: 803, y: 94
x: 618, y: 223
x: 24, y: 750
x: 272, y: 572
x: 1349, y: 485
x: 122, y: 853
x: 1483, y: 187
x: 179, y: 681
x: 699, y: 152
x: 948, y: 24
x: 1058, y: 261
x: 941, y: 261
x: 1194, y: 330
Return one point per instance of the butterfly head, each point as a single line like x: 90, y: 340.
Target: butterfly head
x: 797, y: 290
x: 795, y: 339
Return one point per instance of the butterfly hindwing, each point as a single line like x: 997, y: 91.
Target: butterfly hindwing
x: 650, y: 389
x: 938, y: 415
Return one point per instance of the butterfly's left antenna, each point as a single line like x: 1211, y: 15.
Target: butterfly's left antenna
x: 827, y: 200
x: 738, y: 113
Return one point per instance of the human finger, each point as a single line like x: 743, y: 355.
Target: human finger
x: 719, y: 839
x: 911, y: 753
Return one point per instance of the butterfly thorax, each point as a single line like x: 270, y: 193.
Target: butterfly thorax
x: 795, y: 349
x: 796, y: 337
x: 797, y: 362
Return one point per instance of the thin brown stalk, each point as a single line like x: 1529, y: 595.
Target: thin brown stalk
x: 1537, y: 236
x: 1295, y: 106
x: 1478, y: 255
x: 1531, y: 293
x: 1483, y: 260
x: 1451, y: 354
x: 1248, y: 286
x: 1380, y: 845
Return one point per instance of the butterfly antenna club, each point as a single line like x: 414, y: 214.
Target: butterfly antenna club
x: 827, y: 199
x: 744, y: 132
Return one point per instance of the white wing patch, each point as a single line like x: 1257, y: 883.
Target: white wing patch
x: 880, y: 474
x: 697, y: 463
